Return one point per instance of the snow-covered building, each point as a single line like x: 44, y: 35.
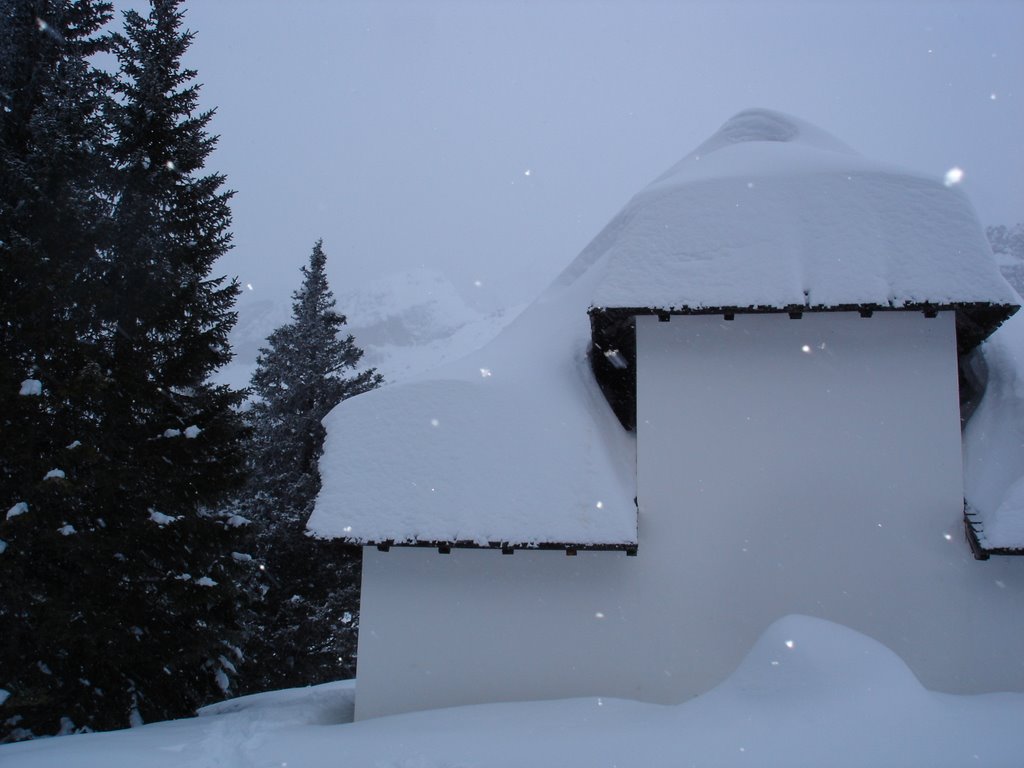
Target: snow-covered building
x: 740, y: 401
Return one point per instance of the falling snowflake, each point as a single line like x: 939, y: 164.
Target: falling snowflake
x: 616, y: 359
x: 953, y: 176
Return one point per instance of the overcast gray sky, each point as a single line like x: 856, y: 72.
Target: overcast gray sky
x: 492, y: 140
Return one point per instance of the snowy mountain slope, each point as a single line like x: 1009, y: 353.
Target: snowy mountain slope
x: 406, y: 323
x: 810, y: 693
x: 409, y: 322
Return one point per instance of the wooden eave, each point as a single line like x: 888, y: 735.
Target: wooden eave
x: 975, y: 531
x: 506, y: 547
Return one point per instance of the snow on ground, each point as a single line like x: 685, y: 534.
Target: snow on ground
x: 810, y: 693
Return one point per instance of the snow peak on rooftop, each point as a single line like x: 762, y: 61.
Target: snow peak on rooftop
x: 515, y: 444
x: 772, y: 212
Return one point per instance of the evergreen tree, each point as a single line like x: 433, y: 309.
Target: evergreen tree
x: 307, y: 631
x: 168, y: 320
x: 52, y: 214
x: 53, y: 168
x: 127, y: 606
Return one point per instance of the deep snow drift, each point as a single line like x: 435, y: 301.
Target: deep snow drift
x: 810, y: 693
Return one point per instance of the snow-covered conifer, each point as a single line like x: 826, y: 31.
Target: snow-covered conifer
x: 307, y: 368
x: 116, y: 260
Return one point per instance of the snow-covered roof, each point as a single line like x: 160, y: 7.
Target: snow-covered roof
x: 773, y: 212
x: 515, y: 444
x: 512, y: 445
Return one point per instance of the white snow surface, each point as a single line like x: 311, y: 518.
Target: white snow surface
x: 773, y: 212
x: 994, y: 441
x: 809, y: 693
x: 160, y: 518
x: 55, y: 474
x: 31, y: 388
x: 522, y: 454
x: 18, y: 509
x: 515, y: 443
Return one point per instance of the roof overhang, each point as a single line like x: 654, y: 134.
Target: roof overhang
x: 613, y: 335
x: 506, y: 547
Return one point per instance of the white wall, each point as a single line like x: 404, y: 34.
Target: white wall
x: 771, y: 481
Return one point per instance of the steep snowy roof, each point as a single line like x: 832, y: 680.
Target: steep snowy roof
x: 512, y: 445
x: 772, y: 212
x: 515, y: 444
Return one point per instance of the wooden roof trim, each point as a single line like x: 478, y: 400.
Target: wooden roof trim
x: 975, y: 530
x: 613, y: 336
x: 445, y: 547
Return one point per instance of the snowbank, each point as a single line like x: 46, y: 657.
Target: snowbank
x: 810, y: 693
